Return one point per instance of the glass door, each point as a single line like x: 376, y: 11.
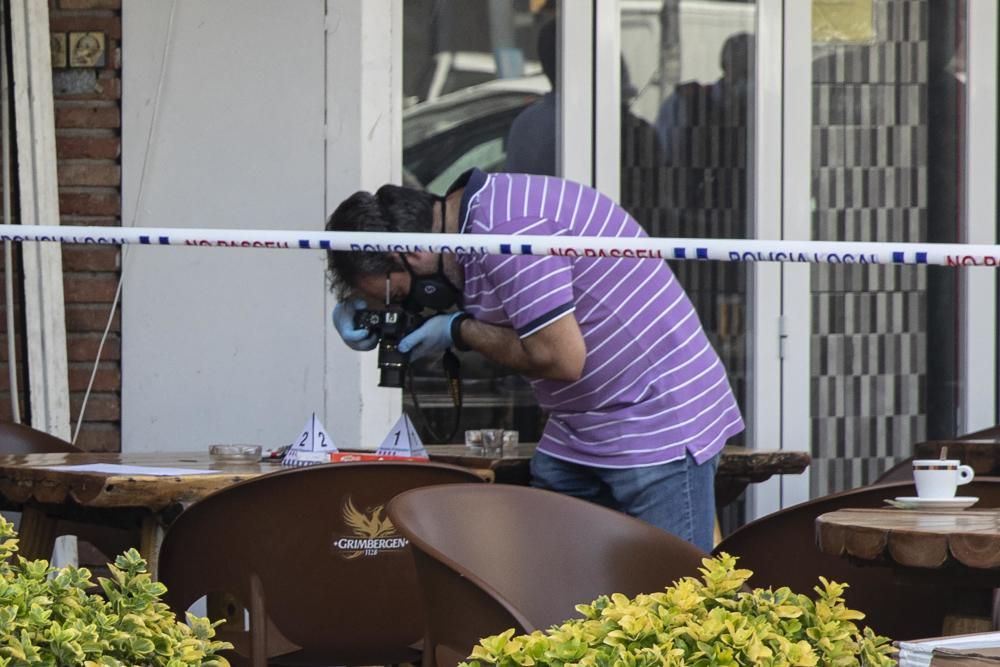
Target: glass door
x: 676, y: 107
x: 478, y: 92
x: 686, y: 82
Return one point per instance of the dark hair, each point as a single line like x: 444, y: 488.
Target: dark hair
x: 735, y: 57
x: 390, y: 209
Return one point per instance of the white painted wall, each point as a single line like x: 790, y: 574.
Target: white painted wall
x: 224, y: 126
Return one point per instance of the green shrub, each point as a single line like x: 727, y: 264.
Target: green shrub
x: 714, y: 621
x: 47, y: 617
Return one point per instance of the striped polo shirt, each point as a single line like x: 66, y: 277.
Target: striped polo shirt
x: 652, y: 387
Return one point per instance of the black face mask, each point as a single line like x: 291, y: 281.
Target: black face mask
x: 434, y: 291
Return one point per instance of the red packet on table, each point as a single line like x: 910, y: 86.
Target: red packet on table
x: 346, y: 457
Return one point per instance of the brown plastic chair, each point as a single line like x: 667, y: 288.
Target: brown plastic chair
x: 97, y: 544
x: 984, y: 434
x: 901, y: 472
x: 21, y: 439
x: 781, y: 550
x: 495, y: 557
x: 311, y: 555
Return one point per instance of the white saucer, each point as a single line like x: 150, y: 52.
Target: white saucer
x: 913, y: 502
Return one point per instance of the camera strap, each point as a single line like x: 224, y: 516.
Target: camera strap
x: 453, y: 373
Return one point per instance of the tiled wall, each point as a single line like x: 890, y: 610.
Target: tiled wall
x: 870, y: 183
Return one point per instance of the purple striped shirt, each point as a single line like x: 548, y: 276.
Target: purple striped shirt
x: 652, y: 387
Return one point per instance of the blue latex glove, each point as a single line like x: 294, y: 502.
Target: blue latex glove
x: 343, y: 318
x: 432, y: 337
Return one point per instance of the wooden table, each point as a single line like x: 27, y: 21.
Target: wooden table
x: 148, y: 503
x: 738, y: 466
x: 959, y: 547
x: 144, y: 503
x: 965, y: 540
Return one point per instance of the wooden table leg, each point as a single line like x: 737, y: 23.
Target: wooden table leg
x: 150, y: 539
x: 37, y: 532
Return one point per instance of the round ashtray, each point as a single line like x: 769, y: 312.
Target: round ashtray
x: 235, y: 453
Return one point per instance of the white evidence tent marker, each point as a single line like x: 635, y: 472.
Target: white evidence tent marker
x: 402, y: 440
x: 312, y: 445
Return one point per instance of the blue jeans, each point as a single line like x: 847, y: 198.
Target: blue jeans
x: 679, y: 496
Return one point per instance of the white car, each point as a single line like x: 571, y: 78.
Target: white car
x: 457, y: 70
x: 468, y: 128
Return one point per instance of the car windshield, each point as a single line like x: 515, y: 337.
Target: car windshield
x: 447, y: 136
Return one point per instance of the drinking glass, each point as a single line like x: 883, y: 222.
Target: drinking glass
x: 510, y: 442
x: 492, y: 441
x: 474, y: 441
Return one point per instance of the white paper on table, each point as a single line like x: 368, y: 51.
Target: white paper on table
x: 120, y: 469
x: 920, y: 653
x: 976, y: 640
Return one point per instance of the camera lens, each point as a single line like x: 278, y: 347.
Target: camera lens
x: 392, y: 376
x: 392, y: 364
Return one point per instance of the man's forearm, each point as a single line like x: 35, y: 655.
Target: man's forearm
x: 552, y: 354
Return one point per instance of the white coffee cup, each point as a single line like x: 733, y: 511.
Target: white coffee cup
x: 939, y: 478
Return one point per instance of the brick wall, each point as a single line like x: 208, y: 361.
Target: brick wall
x: 88, y: 146
x: 87, y: 90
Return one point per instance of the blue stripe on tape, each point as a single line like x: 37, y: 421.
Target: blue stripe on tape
x: 303, y: 243
x: 144, y: 239
x: 702, y: 253
x: 164, y: 240
x: 921, y: 258
x: 525, y: 248
x: 325, y: 245
x: 679, y: 253
x: 898, y: 257
x: 504, y: 248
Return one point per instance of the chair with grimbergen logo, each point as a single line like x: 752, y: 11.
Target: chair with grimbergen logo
x: 311, y: 554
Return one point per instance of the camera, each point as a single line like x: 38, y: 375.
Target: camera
x: 390, y: 326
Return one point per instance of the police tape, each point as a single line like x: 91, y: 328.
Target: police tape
x: 727, y: 250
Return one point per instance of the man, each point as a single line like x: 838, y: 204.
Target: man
x: 724, y: 103
x: 530, y: 144
x: 639, y: 404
